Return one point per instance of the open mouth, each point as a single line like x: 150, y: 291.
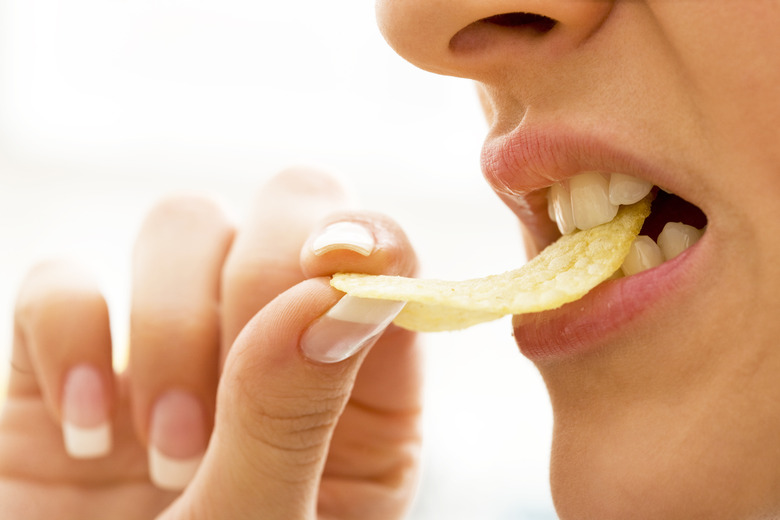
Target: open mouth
x: 590, y: 199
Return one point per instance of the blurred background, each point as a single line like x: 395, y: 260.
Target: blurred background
x: 108, y: 105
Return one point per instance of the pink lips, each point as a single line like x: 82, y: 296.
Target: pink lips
x: 531, y: 159
x: 608, y: 313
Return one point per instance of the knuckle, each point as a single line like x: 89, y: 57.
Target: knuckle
x: 174, y: 326
x: 245, y: 276
x: 305, y: 181
x: 296, y: 425
x: 184, y: 214
x: 56, y: 289
x: 183, y: 206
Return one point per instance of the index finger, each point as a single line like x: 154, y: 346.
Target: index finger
x: 265, y: 258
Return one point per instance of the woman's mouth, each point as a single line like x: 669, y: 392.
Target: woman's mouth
x: 590, y: 199
x: 557, y: 183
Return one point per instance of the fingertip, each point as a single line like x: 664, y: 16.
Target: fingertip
x: 304, y: 180
x: 361, y: 242
x: 343, y: 235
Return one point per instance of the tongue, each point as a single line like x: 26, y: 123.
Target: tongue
x: 671, y: 208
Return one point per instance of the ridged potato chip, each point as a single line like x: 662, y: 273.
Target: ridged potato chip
x: 564, y: 272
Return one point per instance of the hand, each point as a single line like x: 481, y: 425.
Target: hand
x: 244, y: 396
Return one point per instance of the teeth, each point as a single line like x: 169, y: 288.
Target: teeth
x: 560, y: 206
x: 625, y: 189
x: 676, y: 237
x: 592, y: 198
x: 550, y: 207
x: 590, y: 203
x: 644, y: 254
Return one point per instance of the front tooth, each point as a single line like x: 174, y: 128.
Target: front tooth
x: 550, y: 205
x: 676, y: 237
x: 625, y: 189
x: 590, y: 200
x: 560, y: 207
x: 644, y: 254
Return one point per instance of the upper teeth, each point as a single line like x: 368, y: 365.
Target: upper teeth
x: 592, y: 199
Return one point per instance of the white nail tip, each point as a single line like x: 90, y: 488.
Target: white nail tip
x: 170, y: 473
x: 87, y: 443
x: 349, y: 326
x: 365, y: 310
x: 344, y: 235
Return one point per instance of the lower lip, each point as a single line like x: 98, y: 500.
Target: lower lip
x: 609, y: 313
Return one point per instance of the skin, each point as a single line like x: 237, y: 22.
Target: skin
x: 676, y: 415
x: 290, y: 438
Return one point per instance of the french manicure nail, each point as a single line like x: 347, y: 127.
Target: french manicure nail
x: 344, y: 235
x: 86, y: 429
x: 177, y: 440
x: 347, y: 327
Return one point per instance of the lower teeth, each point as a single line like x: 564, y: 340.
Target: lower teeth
x: 676, y: 237
x: 645, y: 253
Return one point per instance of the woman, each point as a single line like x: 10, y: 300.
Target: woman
x: 662, y: 383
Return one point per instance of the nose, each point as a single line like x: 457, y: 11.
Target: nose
x: 477, y: 38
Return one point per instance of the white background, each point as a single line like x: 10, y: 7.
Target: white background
x: 107, y: 105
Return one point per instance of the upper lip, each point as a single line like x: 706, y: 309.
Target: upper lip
x: 531, y: 157
x: 534, y: 157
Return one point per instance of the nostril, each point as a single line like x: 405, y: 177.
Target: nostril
x: 478, y: 34
x: 531, y: 22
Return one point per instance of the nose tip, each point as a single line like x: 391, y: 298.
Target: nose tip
x: 471, y: 38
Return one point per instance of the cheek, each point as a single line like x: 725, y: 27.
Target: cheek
x: 731, y: 58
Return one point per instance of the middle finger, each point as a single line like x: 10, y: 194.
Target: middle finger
x: 175, y: 320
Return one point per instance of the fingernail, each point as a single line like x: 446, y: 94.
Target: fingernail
x: 177, y: 440
x: 86, y: 429
x: 344, y: 235
x: 347, y: 327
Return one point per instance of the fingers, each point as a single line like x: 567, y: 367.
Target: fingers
x: 377, y: 438
x: 276, y: 414
x: 284, y: 389
x: 264, y: 260
x: 175, y: 328
x: 361, y: 242
x: 355, y: 242
x: 62, y: 353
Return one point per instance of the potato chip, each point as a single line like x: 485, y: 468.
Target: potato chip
x: 564, y: 272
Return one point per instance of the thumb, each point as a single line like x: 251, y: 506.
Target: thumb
x: 278, y: 407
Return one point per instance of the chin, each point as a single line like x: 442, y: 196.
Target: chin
x: 642, y: 431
